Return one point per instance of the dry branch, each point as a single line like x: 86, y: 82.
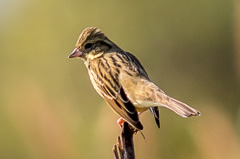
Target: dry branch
x: 124, y: 149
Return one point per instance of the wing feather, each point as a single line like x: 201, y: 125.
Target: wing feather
x: 104, y: 77
x: 142, y: 72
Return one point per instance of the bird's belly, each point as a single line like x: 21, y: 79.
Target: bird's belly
x: 139, y: 108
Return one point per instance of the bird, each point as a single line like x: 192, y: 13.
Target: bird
x: 119, y: 78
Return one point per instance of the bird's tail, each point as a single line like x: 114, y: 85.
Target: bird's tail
x: 180, y: 108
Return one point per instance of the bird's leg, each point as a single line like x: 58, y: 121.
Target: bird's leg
x: 120, y: 122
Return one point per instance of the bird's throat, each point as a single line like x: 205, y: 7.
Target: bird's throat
x: 92, y: 56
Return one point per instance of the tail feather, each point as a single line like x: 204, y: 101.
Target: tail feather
x: 155, y: 112
x: 180, y: 108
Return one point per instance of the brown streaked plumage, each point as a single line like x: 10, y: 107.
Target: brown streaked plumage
x: 122, y: 81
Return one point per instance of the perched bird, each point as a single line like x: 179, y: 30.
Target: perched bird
x: 121, y: 80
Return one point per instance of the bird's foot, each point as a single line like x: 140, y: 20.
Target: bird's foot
x: 120, y: 122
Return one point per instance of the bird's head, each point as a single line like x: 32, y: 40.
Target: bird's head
x: 91, y: 43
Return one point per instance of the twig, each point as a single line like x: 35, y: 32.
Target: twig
x: 124, y: 149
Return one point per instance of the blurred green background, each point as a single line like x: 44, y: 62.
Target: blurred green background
x: 49, y: 110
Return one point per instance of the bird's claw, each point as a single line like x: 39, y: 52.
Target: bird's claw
x: 120, y: 122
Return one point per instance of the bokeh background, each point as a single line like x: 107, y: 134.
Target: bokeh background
x: 49, y: 110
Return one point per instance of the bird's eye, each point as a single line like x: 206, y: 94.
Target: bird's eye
x: 88, y: 46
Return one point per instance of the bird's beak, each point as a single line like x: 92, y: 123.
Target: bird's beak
x: 75, y: 53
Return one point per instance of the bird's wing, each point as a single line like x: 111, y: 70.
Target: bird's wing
x: 104, y: 77
x: 136, y: 66
x: 125, y: 110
